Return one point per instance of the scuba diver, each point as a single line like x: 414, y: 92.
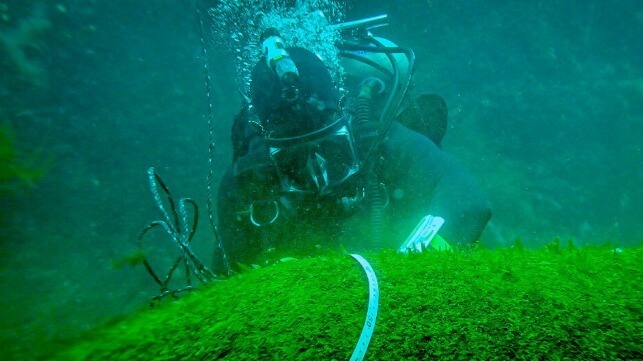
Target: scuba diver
x: 317, y: 168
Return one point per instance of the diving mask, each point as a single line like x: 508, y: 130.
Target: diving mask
x: 317, y: 162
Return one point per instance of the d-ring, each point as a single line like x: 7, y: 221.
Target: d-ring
x: 252, y: 215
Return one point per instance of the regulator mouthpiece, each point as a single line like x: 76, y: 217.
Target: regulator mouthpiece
x: 277, y: 58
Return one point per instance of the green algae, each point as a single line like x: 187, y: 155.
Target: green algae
x: 554, y: 303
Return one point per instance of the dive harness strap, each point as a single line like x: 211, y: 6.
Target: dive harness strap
x: 371, y: 313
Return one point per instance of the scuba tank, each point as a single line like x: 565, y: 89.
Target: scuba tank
x: 277, y: 58
x: 383, y: 71
x: 362, y: 54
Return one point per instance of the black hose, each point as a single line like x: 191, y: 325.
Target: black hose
x: 396, y: 96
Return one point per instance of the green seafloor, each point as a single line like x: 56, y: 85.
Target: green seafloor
x: 557, y: 303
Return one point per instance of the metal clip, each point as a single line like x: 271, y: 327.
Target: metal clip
x: 258, y: 224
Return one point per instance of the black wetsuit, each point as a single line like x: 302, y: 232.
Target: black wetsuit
x: 418, y: 179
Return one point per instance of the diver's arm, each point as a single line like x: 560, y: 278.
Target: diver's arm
x: 435, y: 183
x: 459, y: 200
x: 240, y: 239
x: 246, y: 129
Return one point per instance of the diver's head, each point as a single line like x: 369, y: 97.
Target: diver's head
x: 309, y: 140
x: 297, y: 109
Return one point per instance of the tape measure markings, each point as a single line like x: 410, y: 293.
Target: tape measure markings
x: 371, y: 313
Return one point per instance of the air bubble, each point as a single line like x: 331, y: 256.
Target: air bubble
x: 304, y: 25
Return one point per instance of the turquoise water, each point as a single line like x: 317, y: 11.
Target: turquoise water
x: 545, y: 109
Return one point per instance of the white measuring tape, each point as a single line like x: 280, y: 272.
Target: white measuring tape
x: 371, y: 314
